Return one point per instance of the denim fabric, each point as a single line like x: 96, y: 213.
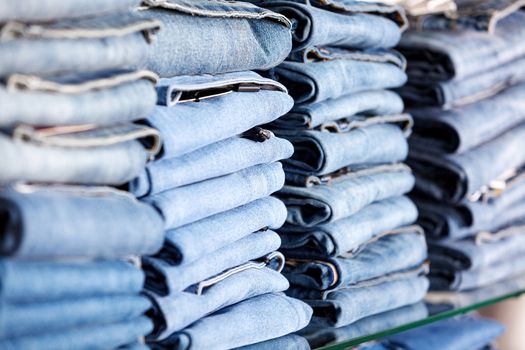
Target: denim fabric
x: 479, y: 295
x: 191, y: 242
x: 319, y: 54
x: 444, y: 277
x: 59, y: 222
x: 352, y: 233
x: 177, y: 311
x: 465, y: 53
x: 395, y: 13
x: 366, y: 103
x: 105, y: 336
x: 134, y: 346
x: 478, y: 15
x: 459, y: 93
x: 321, y: 336
x: 459, y: 130
x: 79, y: 155
x: 446, y: 222
x: 347, y: 306
x: 287, y: 342
x: 54, y: 281
x: 112, y: 98
x: 320, y: 81
x: 480, y: 251
x: 318, y: 27
x: 345, y: 196
x: 454, y: 178
x: 320, y: 153
x: 83, y: 45
x: 460, y: 333
x: 38, y: 10
x: 218, y: 159
x: 189, y: 126
x: 254, y: 320
x: 389, y: 255
x: 233, y: 190
x: 201, y: 37
x: 164, y: 279
x: 31, y: 319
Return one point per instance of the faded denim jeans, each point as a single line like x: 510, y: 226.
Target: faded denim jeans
x: 114, y: 41
x: 41, y: 222
x: 204, y: 37
x: 361, y: 28
x: 344, y: 195
x: 451, y: 222
x: 377, y: 262
x: 198, y: 111
x: 188, y: 243
x: 48, y: 10
x: 233, y: 190
x: 455, y: 178
x: 55, y: 281
x: 105, y: 336
x: 104, y: 99
x: 254, y: 320
x: 83, y: 154
x: 353, y: 233
x: 347, y: 306
x: 462, y: 129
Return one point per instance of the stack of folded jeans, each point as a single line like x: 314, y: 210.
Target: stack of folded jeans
x: 69, y: 94
x: 467, y: 91
x: 216, y: 282
x: 351, y: 247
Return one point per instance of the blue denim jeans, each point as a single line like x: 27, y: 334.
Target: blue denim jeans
x: 460, y: 130
x: 233, y: 190
x: 199, y: 111
x: 176, y: 311
x: 465, y: 53
x: 359, y: 107
x: 314, y: 26
x: 56, y: 281
x: 191, y: 242
x: 49, y: 10
x: 84, y: 154
x: 254, y: 320
x: 58, y: 222
x: 351, y: 234
x: 216, y: 37
x: 447, y: 222
x: 319, y: 54
x: 218, y: 159
x: 319, y: 336
x: 320, y: 153
x: 32, y: 319
x: 320, y: 81
x: 100, y: 336
x: 287, y: 342
x: 462, y: 333
x: 470, y: 264
x: 344, y: 195
x: 455, y: 178
x: 103, y: 99
x: 459, y: 93
x: 112, y: 41
x: 163, y: 278
x: 377, y: 262
x: 347, y: 306
x: 481, y: 16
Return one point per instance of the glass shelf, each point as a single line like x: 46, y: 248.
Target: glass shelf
x: 437, y: 306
